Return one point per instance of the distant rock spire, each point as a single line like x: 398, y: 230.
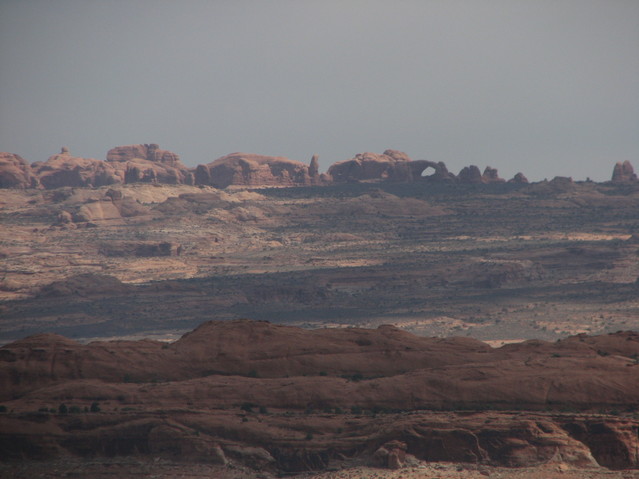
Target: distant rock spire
x: 313, y: 169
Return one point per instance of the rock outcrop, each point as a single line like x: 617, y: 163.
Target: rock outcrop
x: 246, y: 169
x: 519, y: 178
x: 623, y: 173
x: 391, y: 455
x: 491, y: 175
x: 285, y: 399
x: 65, y: 170
x: 391, y: 165
x: 124, y: 164
x: 15, y: 172
x: 397, y: 166
x: 470, y: 174
x: 149, y: 164
x: 421, y: 171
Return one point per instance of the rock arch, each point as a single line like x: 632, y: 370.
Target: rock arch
x: 419, y: 167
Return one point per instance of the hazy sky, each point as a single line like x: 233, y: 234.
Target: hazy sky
x: 547, y: 87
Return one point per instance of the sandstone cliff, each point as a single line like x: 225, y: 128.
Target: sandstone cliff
x: 245, y: 169
x: 283, y: 399
x: 15, y: 172
x: 148, y: 164
x: 65, y: 170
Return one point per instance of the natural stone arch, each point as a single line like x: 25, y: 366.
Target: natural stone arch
x: 419, y: 167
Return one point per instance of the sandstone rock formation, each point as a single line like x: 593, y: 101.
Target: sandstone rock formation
x: 65, y: 170
x: 391, y: 455
x: 558, y: 185
x: 491, y: 175
x: 15, y: 172
x: 396, y: 166
x: 148, y: 164
x: 470, y: 174
x: 420, y: 170
x: 124, y: 164
x: 519, y: 178
x: 623, y: 173
x: 246, y: 169
x: 279, y: 398
x: 437, y: 371
x: 391, y: 165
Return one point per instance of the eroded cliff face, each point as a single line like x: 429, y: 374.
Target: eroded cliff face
x: 147, y: 163
x: 397, y: 166
x: 64, y: 169
x: 15, y: 172
x: 123, y: 165
x: 246, y: 169
x: 286, y: 399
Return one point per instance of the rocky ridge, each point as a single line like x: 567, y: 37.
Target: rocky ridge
x: 149, y: 164
x: 278, y: 398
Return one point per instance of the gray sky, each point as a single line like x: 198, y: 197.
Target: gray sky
x: 546, y: 87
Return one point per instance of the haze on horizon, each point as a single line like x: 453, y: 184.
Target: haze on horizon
x: 543, y: 87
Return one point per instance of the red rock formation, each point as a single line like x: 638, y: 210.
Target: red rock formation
x: 15, y: 172
x: 247, y: 169
x: 391, y: 455
x: 519, y: 178
x: 491, y: 175
x: 391, y: 165
x: 623, y: 173
x: 197, y: 397
x: 148, y: 164
x: 65, y: 170
x: 313, y: 168
x: 470, y: 174
x: 419, y: 167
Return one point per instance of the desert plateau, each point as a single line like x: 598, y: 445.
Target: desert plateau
x: 254, y: 317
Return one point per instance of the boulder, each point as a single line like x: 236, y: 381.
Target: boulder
x: 391, y: 455
x: 15, y: 172
x: 246, y: 169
